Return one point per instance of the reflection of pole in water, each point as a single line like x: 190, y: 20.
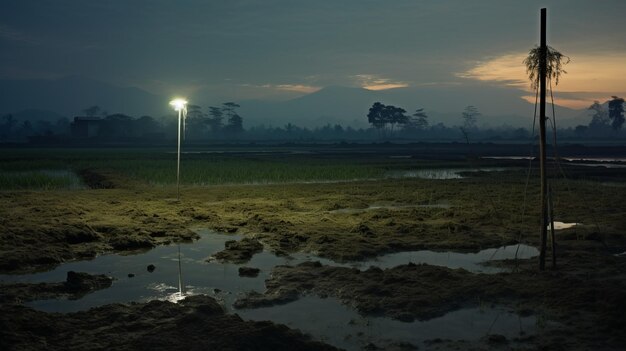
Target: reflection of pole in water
x: 180, y: 274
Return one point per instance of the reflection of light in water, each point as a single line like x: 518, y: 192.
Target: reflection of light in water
x: 440, y: 173
x: 175, y: 297
x: 169, y: 293
x: 563, y: 225
x: 222, y: 282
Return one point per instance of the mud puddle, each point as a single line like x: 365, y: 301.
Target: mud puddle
x: 326, y: 319
x: 563, y: 225
x: 473, y: 262
x: 339, y: 325
x: 133, y: 281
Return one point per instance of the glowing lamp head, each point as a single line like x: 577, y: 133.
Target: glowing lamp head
x: 178, y: 104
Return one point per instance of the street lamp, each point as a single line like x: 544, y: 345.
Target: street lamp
x: 179, y: 105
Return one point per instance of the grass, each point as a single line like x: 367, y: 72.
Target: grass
x: 158, y: 166
x: 40, y: 180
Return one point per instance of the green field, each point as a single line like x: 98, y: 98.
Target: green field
x: 34, y: 168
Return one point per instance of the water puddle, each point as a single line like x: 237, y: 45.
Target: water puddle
x: 563, y: 225
x: 326, y: 319
x: 508, y: 157
x: 440, y: 173
x: 222, y: 279
x: 595, y: 159
x: 388, y: 207
x: 332, y: 322
x: 473, y: 262
x: 600, y: 164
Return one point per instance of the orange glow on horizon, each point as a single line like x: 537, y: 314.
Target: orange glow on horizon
x: 589, y: 77
x: 385, y: 86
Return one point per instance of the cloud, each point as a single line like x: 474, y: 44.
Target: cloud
x: 375, y: 82
x: 507, y: 69
x: 298, y: 88
x: 590, y: 76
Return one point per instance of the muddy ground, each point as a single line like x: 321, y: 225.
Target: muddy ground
x: 196, y: 323
x: 41, y: 229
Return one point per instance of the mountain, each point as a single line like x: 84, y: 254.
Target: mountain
x: 334, y: 104
x: 444, y: 104
x: 70, y: 95
x: 52, y: 99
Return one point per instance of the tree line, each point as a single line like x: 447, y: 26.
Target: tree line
x: 224, y: 123
x: 604, y: 121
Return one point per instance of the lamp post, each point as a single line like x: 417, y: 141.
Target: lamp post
x: 179, y: 105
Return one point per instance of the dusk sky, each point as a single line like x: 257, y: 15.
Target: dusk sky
x: 282, y: 49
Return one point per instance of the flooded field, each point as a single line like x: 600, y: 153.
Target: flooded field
x: 319, y: 317
x: 383, y: 251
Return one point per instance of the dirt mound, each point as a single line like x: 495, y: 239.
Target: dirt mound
x: 238, y: 251
x: 76, y: 285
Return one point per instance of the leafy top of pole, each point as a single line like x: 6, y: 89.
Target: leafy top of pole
x: 554, y: 65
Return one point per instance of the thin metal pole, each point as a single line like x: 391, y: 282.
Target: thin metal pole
x: 180, y: 274
x: 178, y: 160
x: 543, y: 50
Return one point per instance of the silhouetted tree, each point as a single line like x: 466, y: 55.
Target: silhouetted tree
x: 235, y: 122
x: 599, y: 117
x: 229, y: 108
x: 289, y: 128
x: 376, y: 116
x: 382, y: 115
x: 196, y: 122
x: 616, y: 112
x: 554, y: 65
x: 419, y: 119
x: 6, y: 126
x: 215, y: 121
x: 395, y: 115
x: 470, y: 115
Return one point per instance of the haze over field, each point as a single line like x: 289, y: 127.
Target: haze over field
x: 306, y: 63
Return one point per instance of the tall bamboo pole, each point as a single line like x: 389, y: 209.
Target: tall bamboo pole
x: 543, y: 53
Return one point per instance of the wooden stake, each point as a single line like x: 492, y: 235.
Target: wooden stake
x: 543, y: 49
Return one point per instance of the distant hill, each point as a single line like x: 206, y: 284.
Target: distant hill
x: 52, y: 99
x: 70, y: 95
x: 349, y: 106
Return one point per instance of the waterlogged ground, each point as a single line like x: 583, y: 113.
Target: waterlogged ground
x: 326, y: 319
x: 400, y: 260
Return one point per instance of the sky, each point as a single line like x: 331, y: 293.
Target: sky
x: 245, y: 49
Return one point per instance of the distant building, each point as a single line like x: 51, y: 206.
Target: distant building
x: 86, y: 127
